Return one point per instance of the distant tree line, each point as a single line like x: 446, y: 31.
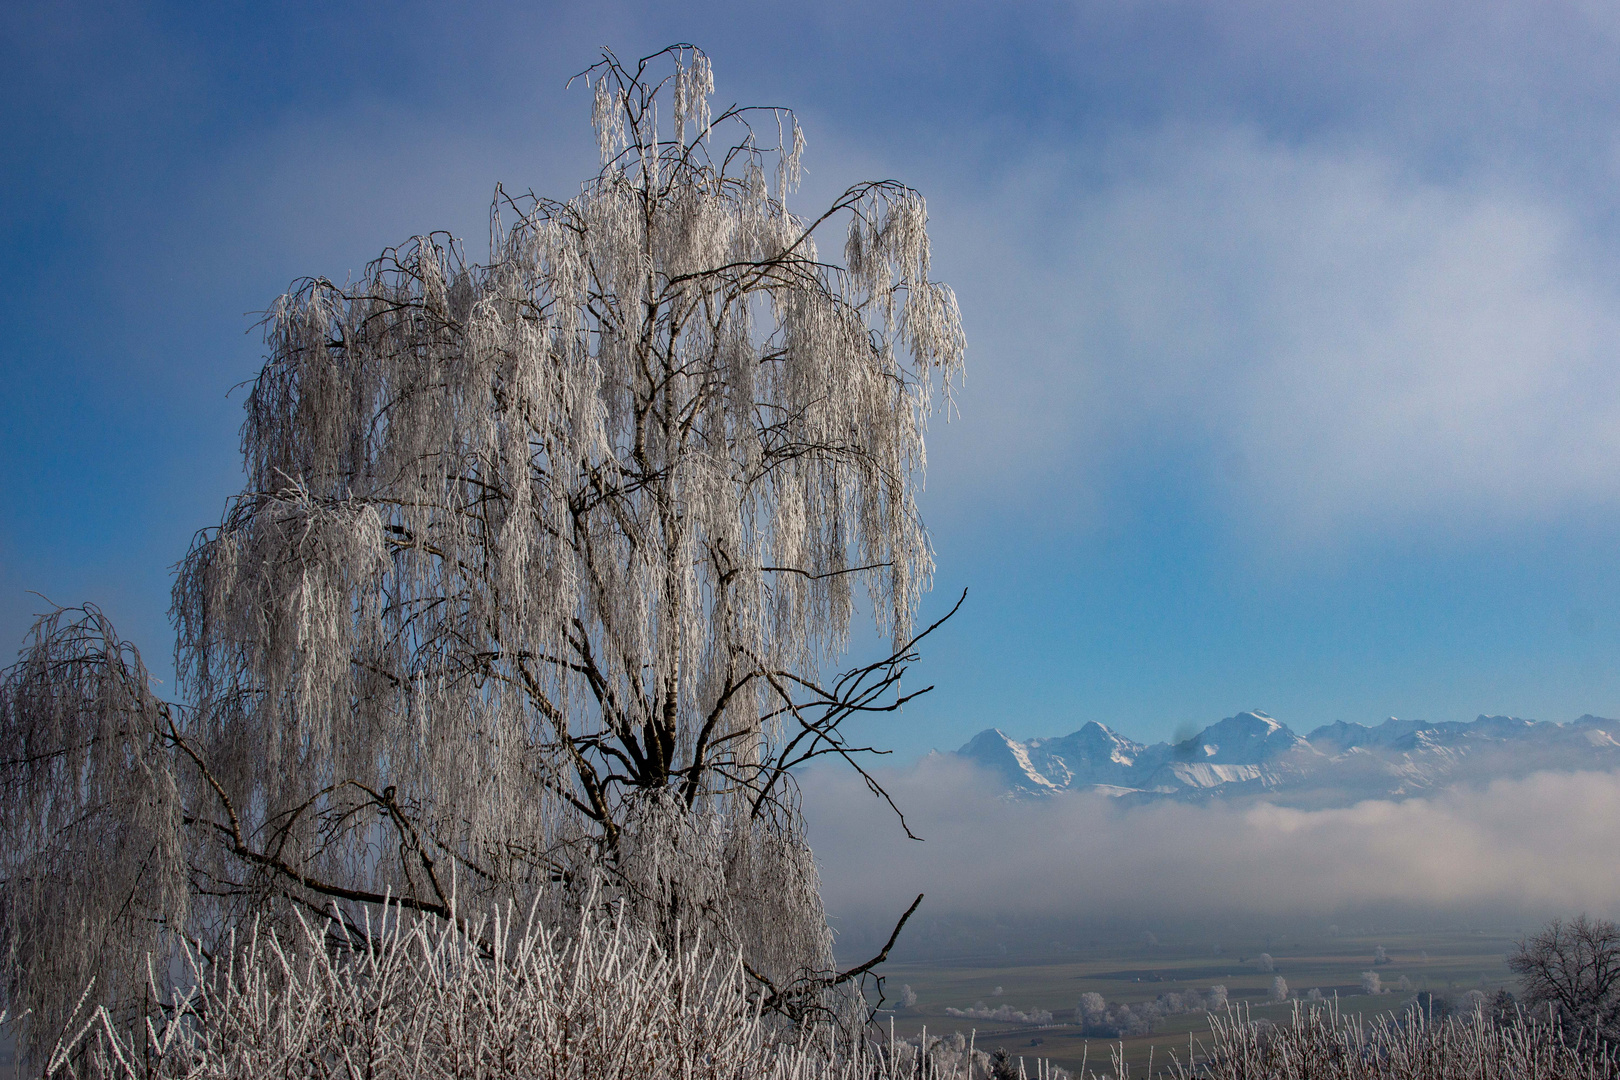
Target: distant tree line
x: 1099, y: 1019
x: 1569, y: 981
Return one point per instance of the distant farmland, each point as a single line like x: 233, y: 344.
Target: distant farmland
x: 1448, y: 963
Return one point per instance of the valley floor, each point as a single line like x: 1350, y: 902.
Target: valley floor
x: 1445, y: 963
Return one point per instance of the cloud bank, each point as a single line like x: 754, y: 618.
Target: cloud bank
x: 1530, y: 847
x: 1346, y: 343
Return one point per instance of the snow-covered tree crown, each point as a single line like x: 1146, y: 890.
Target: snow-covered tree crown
x: 607, y: 495
x: 539, y: 562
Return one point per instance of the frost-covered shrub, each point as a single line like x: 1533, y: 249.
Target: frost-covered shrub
x: 496, y: 998
x: 1004, y: 1013
x: 1100, y: 1020
x: 1321, y: 1043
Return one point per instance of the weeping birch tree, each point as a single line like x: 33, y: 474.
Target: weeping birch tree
x: 540, y: 584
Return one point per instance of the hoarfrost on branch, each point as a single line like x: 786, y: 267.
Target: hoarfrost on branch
x: 537, y: 579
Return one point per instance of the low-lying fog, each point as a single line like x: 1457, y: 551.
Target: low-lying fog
x: 1516, y: 851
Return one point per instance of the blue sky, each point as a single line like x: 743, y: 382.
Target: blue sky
x: 1293, y: 328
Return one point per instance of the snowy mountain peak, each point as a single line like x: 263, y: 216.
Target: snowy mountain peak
x: 1010, y: 759
x: 1249, y: 738
x: 1254, y: 754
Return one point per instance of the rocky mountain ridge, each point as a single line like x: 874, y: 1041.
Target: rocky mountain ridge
x: 1252, y: 754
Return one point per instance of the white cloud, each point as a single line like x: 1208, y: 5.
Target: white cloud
x: 1346, y: 345
x: 1535, y: 845
x: 1340, y: 345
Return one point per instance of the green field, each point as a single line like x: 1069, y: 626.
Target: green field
x: 1444, y: 962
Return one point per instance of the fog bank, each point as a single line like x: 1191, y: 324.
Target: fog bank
x: 1526, y: 848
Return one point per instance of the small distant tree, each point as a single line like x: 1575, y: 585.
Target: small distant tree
x: 1432, y: 1006
x: 1371, y: 983
x: 1573, y: 969
x: 1092, y: 1009
x: 1279, y: 989
x: 1265, y: 963
x: 1503, y: 1008
x: 536, y: 586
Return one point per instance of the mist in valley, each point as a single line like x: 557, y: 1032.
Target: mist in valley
x: 1077, y: 871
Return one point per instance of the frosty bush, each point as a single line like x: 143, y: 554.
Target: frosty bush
x: 1100, y: 1020
x: 1319, y: 1042
x: 427, y: 998
x: 1004, y: 1013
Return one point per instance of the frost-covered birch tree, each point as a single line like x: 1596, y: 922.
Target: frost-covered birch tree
x: 538, y: 583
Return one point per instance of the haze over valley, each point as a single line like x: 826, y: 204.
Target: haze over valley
x: 1243, y: 828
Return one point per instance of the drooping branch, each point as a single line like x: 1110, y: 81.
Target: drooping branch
x: 537, y: 569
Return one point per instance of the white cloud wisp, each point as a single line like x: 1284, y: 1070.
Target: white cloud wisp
x: 1349, y: 347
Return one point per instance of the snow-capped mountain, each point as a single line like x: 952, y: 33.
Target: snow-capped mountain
x: 1092, y: 756
x: 1253, y: 754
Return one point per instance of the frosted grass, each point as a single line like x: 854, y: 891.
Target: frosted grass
x: 423, y: 998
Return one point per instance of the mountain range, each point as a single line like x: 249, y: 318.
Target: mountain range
x: 1251, y: 755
